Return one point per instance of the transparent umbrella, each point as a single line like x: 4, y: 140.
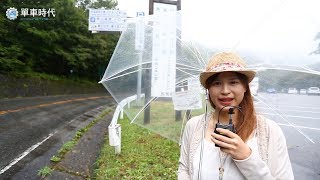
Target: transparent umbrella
x: 287, y: 60
x: 149, y: 65
x: 280, y: 43
x: 156, y: 67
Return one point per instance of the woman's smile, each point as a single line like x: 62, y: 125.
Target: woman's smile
x: 226, y: 101
x: 226, y: 89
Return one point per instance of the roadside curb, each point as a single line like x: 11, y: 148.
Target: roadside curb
x: 79, y: 162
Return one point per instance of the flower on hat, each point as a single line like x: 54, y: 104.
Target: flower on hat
x: 226, y: 61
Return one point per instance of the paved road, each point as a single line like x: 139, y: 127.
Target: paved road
x: 299, y: 118
x: 26, y: 123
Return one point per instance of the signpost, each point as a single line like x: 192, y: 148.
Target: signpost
x: 147, y: 94
x: 139, y: 46
x: 107, y: 20
x: 164, y: 53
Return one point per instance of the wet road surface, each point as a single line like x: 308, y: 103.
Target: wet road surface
x: 299, y: 118
x: 30, y: 127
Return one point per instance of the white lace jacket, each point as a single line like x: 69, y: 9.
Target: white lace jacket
x: 272, y: 162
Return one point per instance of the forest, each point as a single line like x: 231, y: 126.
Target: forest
x: 62, y: 45
x: 58, y: 43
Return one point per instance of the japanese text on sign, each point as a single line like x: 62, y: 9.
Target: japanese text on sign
x: 164, y: 54
x: 107, y: 20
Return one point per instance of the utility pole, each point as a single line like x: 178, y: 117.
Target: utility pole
x: 177, y: 3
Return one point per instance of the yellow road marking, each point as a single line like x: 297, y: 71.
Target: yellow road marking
x: 49, y: 104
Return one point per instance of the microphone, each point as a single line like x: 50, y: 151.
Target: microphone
x: 229, y: 126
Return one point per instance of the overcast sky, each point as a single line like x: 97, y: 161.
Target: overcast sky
x: 275, y: 28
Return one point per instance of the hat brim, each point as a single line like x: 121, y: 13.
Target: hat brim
x: 205, y: 75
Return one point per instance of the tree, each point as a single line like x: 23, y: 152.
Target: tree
x: 105, y: 4
x: 59, y: 45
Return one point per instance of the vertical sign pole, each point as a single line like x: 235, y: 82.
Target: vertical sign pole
x: 148, y: 73
x: 147, y: 81
x: 178, y: 45
x: 139, y: 45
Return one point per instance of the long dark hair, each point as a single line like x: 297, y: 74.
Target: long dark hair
x: 245, y: 126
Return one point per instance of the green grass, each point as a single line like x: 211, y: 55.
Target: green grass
x: 144, y: 155
x: 45, y: 171
x: 50, y: 77
x: 29, y: 84
x: 162, y: 120
x: 55, y: 159
x: 66, y: 147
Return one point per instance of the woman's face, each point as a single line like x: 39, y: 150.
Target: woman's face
x: 226, y: 90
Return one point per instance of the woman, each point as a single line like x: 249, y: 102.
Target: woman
x: 256, y: 150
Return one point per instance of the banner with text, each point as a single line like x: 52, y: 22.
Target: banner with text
x: 164, y: 53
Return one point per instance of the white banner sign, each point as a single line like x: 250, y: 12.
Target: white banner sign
x: 194, y: 84
x: 164, y: 53
x: 107, y: 20
x: 185, y: 100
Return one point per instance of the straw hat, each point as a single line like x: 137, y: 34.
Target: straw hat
x: 223, y: 62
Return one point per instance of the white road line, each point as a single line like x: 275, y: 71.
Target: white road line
x: 292, y: 109
x: 286, y: 115
x: 17, y: 159
x: 264, y: 100
x: 304, y: 106
x: 302, y: 133
x: 299, y: 130
x: 293, y: 125
x: 314, y: 112
x: 303, y: 127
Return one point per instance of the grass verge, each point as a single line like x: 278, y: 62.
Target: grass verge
x: 144, y: 155
x: 30, y: 84
x: 66, y: 147
x: 45, y: 171
x: 162, y: 118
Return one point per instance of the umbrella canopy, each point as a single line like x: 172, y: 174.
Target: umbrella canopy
x: 158, y: 59
x: 149, y: 65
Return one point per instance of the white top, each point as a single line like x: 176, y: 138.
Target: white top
x: 270, y: 162
x: 211, y: 158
